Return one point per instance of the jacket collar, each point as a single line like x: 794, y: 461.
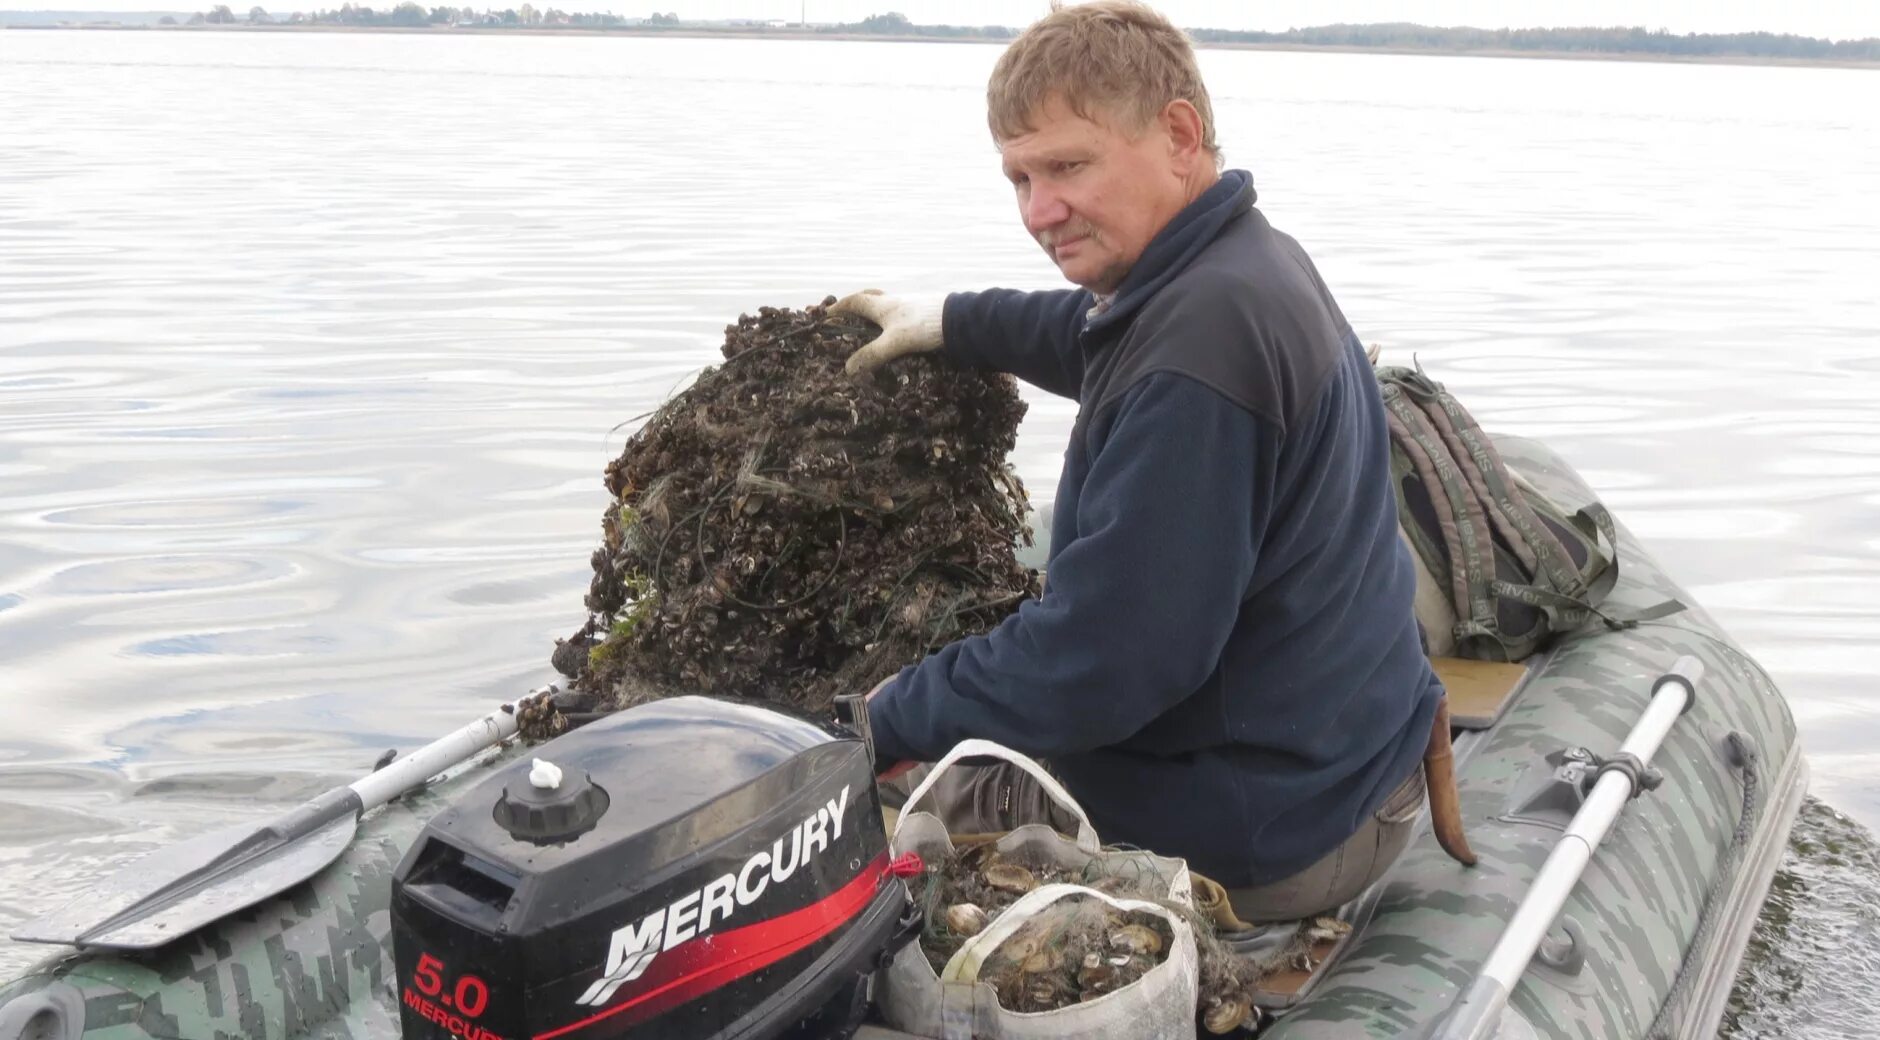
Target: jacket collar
x: 1175, y: 246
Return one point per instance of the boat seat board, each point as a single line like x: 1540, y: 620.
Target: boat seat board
x: 1478, y: 690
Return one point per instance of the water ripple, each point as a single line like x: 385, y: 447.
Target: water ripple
x: 163, y: 574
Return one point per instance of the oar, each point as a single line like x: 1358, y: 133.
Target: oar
x: 174, y: 891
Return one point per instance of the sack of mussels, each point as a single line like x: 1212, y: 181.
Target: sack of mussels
x: 1078, y: 950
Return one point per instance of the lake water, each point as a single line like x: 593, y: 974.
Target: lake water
x: 313, y: 348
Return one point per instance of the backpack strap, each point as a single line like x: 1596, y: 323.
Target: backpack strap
x: 1594, y: 521
x: 1465, y: 537
x: 1476, y: 469
x: 1540, y: 553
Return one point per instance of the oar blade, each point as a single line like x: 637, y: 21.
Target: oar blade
x: 174, y: 891
x: 141, y: 879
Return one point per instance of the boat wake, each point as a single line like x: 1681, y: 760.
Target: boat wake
x: 1809, y: 969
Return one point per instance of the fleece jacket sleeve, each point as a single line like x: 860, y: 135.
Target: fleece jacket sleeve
x: 1138, y: 606
x: 1032, y: 335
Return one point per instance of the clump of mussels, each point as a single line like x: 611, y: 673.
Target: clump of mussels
x: 783, y: 530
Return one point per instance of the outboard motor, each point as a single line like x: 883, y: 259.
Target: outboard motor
x: 688, y: 868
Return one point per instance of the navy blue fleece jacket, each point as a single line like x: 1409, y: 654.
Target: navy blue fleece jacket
x: 1225, y: 665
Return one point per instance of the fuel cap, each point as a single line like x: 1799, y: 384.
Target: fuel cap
x: 547, y: 807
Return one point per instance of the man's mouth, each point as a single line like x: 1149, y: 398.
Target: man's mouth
x: 1056, y: 242
x: 1059, y: 245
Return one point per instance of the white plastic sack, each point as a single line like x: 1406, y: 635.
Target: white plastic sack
x: 1160, y: 1004
x: 912, y: 998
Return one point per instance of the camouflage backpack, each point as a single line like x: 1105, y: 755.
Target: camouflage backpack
x: 1528, y: 569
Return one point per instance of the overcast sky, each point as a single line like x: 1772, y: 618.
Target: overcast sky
x: 1834, y: 19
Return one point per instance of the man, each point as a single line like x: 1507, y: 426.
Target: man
x: 1225, y: 665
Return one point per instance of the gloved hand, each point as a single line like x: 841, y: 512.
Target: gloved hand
x: 908, y: 326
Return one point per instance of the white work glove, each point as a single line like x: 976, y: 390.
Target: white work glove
x: 908, y: 325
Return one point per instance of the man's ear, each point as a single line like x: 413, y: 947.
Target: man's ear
x: 1182, y: 122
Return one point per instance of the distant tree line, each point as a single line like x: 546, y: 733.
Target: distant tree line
x: 1591, y: 40
x: 895, y: 23
x: 411, y: 15
x: 1393, y: 35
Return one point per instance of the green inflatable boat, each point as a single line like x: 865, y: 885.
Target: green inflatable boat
x: 1627, y: 792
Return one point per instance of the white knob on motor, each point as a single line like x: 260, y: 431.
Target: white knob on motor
x: 545, y: 775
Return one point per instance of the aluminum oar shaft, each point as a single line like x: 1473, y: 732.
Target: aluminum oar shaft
x: 1476, y: 1015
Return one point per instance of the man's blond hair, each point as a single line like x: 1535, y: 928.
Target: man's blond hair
x: 1115, y: 61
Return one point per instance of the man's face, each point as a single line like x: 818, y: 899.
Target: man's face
x: 1093, y: 195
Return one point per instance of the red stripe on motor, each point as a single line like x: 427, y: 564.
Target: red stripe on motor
x: 713, y: 960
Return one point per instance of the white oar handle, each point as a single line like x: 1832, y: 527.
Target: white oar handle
x: 375, y: 789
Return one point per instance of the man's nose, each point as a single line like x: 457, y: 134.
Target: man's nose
x: 1044, y: 209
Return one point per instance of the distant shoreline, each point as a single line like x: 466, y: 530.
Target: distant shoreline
x: 790, y: 34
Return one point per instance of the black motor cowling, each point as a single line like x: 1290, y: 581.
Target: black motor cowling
x: 689, y: 868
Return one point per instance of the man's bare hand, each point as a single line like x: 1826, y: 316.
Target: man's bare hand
x: 908, y: 326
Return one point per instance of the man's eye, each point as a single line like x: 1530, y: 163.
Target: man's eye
x: 1069, y: 166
